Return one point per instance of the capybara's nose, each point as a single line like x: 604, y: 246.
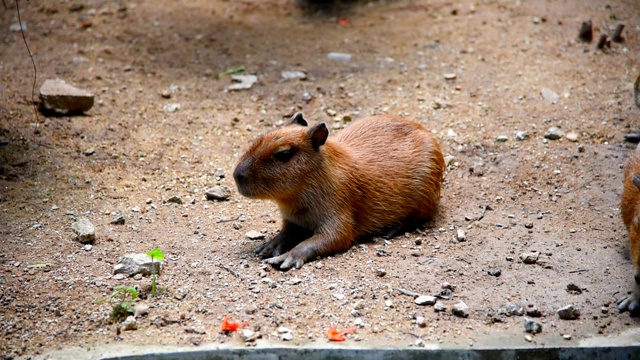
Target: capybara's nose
x: 240, y: 175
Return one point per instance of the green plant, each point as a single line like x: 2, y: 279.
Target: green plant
x: 121, y: 301
x: 155, y: 254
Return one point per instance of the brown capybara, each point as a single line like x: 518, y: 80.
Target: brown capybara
x: 382, y: 173
x: 630, y: 210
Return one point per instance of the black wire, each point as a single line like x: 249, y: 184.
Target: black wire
x: 35, y: 70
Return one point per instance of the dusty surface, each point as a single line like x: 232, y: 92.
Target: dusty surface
x: 556, y: 197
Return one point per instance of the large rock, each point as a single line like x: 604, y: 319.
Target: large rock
x: 60, y: 97
x: 132, y: 264
x: 85, y: 230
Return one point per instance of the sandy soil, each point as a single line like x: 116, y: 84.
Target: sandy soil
x: 560, y: 198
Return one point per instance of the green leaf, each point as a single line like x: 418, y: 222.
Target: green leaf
x: 156, y: 254
x: 230, y: 71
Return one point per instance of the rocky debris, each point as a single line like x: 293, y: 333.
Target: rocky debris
x: 380, y: 272
x: 90, y: 151
x: 388, y: 304
x: 255, y: 235
x: 494, y: 272
x: 337, y: 56
x: 220, y: 193
x: 175, y: 200
x: 449, y: 76
x: 285, y: 333
x: 420, y: 321
x: 553, y: 133
x: 522, y: 135
x: 249, y: 335
x: 532, y: 311
x: 566, y: 336
x: 87, y: 247
x: 132, y: 264
x: 572, y: 136
x: 460, y: 309
x: 130, y: 323
x: 568, y: 313
x: 586, y: 31
x: 140, y: 309
x: 85, y: 230
x: 171, y: 107
x: 59, y: 97
x: 243, y: 82
x: 425, y: 300
x: 531, y: 326
x: 118, y: 220
x: 511, y: 309
x: 419, y: 343
x: 528, y: 338
x: 530, y: 258
x: 549, y: 95
x: 502, y: 138
x: 461, y: 235
x: 292, y: 75
x: 573, y: 289
x: 439, y: 306
x: 477, y: 169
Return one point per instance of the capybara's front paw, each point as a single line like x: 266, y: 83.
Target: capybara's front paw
x: 631, y: 302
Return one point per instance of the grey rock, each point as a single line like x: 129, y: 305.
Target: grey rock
x: 513, y: 309
x: 171, y: 108
x: 15, y: 27
x: 388, y: 303
x: 573, y: 289
x: 243, y: 82
x: 283, y: 330
x: 358, y: 322
x: 502, y: 138
x: 175, y: 200
x: 380, y: 272
x: 292, y: 75
x: 494, y: 272
x: 460, y: 309
x: 549, y: 95
x: 118, y: 220
x: 530, y: 258
x: 60, y: 97
x: 531, y: 326
x: 568, y: 313
x: 87, y: 247
x: 572, y: 136
x: 449, y: 159
x: 248, y: 335
x: 522, y: 135
x: 420, y: 321
x: 219, y: 193
x: 255, y: 235
x: 425, y: 300
x: 449, y: 76
x: 287, y: 336
x: 85, y: 230
x: 132, y: 264
x: 419, y: 343
x: 553, y: 133
x: 337, y: 56
x: 90, y: 151
x: 533, y: 311
x: 461, y: 235
x: 140, y: 309
x: 439, y: 306
x: 130, y: 323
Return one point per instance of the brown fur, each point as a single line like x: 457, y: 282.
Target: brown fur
x: 630, y: 210
x: 380, y: 173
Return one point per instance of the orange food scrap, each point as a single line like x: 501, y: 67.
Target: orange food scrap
x: 232, y: 326
x: 344, y: 21
x: 335, y: 335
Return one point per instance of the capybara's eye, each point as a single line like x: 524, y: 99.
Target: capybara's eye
x: 283, y: 155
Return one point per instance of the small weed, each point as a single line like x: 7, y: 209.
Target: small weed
x: 121, y: 302
x: 155, y: 254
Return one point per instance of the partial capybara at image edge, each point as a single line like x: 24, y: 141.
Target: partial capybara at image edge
x: 380, y: 174
x: 630, y: 210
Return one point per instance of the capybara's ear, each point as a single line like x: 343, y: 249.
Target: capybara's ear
x: 636, y: 181
x: 318, y: 135
x: 298, y: 119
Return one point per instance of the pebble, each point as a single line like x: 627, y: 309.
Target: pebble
x: 530, y: 258
x: 87, y: 247
x: 295, y: 281
x: 420, y: 321
x: 255, y: 235
x: 572, y: 136
x: 549, y: 95
x: 494, y: 272
x: 449, y: 159
x: 243, y: 82
x: 502, y: 138
x: 528, y: 338
x: 175, y: 200
x: 60, y: 97
x: 282, y: 330
x: 439, y: 306
x: 568, y: 313
x: 531, y: 326
x: 380, y: 272
x: 130, y: 323
x: 566, y: 336
x: 90, y: 151
x: 388, y: 303
x: 573, y: 289
x: 85, y: 230
x: 553, y: 133
x: 425, y: 300
x: 513, y: 309
x: 461, y: 236
x: 118, y: 220
x: 15, y: 27
x: 219, y: 193
x: 135, y: 209
x: 337, y: 56
x: 419, y: 343
x: 292, y: 75
x: 460, y: 309
x: 140, y: 309
x: 522, y: 135
x: 533, y: 311
x: 249, y: 335
x: 132, y: 264
x: 449, y: 76
x: 358, y: 322
x: 171, y: 108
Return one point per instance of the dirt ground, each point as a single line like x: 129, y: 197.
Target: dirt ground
x: 557, y: 197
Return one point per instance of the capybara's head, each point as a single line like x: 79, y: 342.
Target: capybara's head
x: 279, y: 163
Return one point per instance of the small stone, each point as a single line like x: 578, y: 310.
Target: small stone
x: 85, y: 230
x: 460, y: 309
x: 118, y: 276
x: 566, y: 336
x: 449, y: 76
x: 179, y: 295
x: 419, y: 343
x: 60, y: 97
x: 574, y: 289
x: 243, y: 82
x: 292, y: 75
x: 553, y: 133
x: 287, y: 336
x: 219, y: 193
x: 283, y: 330
x: 171, y: 108
x: 175, y: 200
x: 166, y: 93
x: 420, y: 321
x: 388, y: 303
x: 358, y: 322
x: 255, y: 235
x: 513, y: 309
x: 530, y: 258
x: 536, y: 20
x: 135, y: 209
x: 295, y: 281
x: 90, y: 151
x: 337, y: 56
x: 425, y: 300
x: 140, y: 309
x: 568, y: 313
x: 118, y: 220
x: 461, y: 236
x: 549, y: 95
x: 572, y: 136
x: 522, y: 135
x: 130, y: 323
x: 449, y: 159
x: 15, y: 27
x: 87, y: 247
x: 380, y: 272
x: 532, y: 311
x: 502, y: 138
x: 439, y: 306
x: 528, y: 338
x: 248, y: 335
x: 338, y: 296
x: 132, y: 264
x: 531, y: 326
x: 494, y: 272
x: 149, y: 200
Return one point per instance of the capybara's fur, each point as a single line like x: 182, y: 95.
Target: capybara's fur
x: 630, y: 209
x: 381, y: 173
